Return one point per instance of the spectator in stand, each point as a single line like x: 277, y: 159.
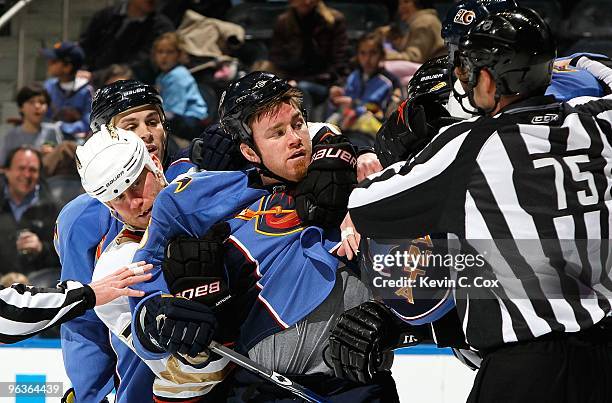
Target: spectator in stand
x: 27, y: 215
x: 418, y: 37
x: 184, y: 106
x: 33, y: 101
x: 70, y: 94
x: 362, y: 103
x: 11, y: 278
x: 112, y: 73
x: 309, y: 45
x: 124, y: 34
x: 60, y: 171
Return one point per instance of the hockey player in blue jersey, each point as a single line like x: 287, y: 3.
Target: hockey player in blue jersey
x: 83, y: 228
x: 116, y: 169
x: 280, y: 287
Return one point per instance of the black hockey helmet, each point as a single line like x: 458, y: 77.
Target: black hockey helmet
x: 515, y: 46
x: 464, y: 15
x: 120, y: 96
x: 401, y: 136
x: 243, y: 97
x: 431, y: 81
x: 430, y: 87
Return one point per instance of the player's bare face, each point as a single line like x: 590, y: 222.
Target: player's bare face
x: 135, y: 204
x: 147, y: 124
x: 283, y: 141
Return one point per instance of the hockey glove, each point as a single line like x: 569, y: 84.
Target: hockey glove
x: 396, y: 140
x: 193, y: 268
x: 176, y: 325
x: 321, y: 198
x: 363, y: 338
x: 215, y: 150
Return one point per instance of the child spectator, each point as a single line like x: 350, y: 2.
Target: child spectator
x: 70, y: 95
x: 362, y: 103
x: 33, y: 102
x: 185, y: 108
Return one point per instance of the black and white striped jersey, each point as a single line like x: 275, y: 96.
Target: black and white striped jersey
x: 528, y: 191
x: 25, y: 311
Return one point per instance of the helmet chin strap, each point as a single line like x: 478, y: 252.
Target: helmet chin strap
x: 470, y: 94
x: 265, y: 171
x: 461, y: 100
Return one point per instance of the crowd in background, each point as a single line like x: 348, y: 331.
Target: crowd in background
x: 352, y: 76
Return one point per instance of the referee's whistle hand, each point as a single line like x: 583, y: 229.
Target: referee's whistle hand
x: 116, y: 284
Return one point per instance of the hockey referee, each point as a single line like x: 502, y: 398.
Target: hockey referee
x: 526, y: 187
x: 26, y: 311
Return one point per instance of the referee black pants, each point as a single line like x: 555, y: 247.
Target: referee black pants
x: 566, y: 368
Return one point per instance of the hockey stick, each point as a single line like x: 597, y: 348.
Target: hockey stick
x: 266, y: 373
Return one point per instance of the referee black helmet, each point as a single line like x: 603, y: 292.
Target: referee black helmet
x: 516, y: 47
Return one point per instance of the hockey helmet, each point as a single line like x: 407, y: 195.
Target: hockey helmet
x: 244, y: 97
x: 515, y: 46
x: 110, y: 161
x: 121, y: 96
x: 464, y: 15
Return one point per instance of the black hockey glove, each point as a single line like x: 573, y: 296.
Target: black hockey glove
x: 321, y: 198
x: 176, y: 325
x: 362, y: 341
x: 396, y: 140
x: 215, y: 150
x: 193, y: 268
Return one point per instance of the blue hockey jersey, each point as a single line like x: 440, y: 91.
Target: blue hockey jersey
x: 85, y: 226
x: 293, y: 266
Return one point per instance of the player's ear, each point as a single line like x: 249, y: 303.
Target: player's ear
x: 488, y: 81
x: 249, y: 153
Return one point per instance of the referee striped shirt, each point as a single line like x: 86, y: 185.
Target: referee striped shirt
x: 529, y: 191
x: 25, y: 311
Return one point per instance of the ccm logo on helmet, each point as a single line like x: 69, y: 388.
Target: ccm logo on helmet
x: 335, y: 153
x: 464, y: 17
x: 200, y: 291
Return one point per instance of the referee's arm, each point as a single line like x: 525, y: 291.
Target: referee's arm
x: 409, y: 200
x: 25, y: 311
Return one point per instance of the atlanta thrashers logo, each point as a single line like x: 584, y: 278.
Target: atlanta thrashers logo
x: 280, y: 217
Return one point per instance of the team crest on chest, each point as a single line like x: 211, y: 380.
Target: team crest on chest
x: 277, y: 215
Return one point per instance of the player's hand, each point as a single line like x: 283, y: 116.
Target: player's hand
x: 403, y: 134
x: 350, y: 238
x: 176, y: 325
x: 367, y: 164
x: 362, y: 340
x: 194, y: 268
x: 116, y: 284
x: 321, y: 198
x: 215, y: 150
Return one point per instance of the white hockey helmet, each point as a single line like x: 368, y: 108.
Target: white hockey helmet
x: 110, y: 161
